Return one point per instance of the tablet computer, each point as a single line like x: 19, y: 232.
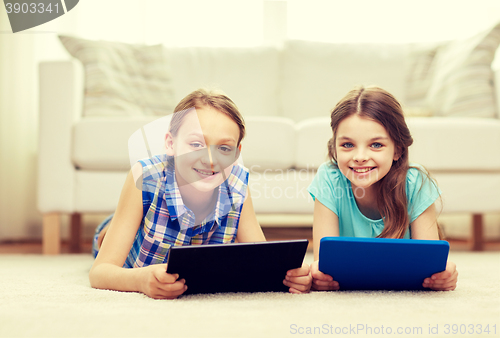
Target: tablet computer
x: 237, y: 267
x: 381, y: 263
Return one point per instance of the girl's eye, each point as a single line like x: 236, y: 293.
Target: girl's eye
x: 196, y: 145
x: 225, y: 149
x: 347, y: 145
x: 377, y: 145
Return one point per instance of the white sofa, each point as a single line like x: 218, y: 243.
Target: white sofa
x: 285, y: 95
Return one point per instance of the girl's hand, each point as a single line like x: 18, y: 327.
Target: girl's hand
x: 322, y: 281
x: 158, y: 284
x: 443, y: 281
x: 298, y: 280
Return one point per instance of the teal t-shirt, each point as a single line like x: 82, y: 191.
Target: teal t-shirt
x: 333, y: 190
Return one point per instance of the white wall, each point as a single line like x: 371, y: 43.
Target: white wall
x: 389, y: 21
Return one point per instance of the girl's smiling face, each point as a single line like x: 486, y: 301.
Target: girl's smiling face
x: 205, y: 149
x: 365, y: 151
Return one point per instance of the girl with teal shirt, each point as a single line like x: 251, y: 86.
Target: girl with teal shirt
x: 369, y: 188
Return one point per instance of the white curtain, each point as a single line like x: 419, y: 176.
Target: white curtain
x: 217, y: 23
x: 18, y: 133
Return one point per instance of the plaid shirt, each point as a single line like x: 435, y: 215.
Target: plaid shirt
x: 167, y: 221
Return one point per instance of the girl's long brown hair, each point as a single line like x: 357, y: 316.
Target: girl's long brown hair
x: 378, y: 105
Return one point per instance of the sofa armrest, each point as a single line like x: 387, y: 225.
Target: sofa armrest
x: 60, y: 105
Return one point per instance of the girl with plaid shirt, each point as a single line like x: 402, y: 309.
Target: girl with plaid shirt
x: 196, y: 193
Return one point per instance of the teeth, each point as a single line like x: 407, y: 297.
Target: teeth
x: 364, y: 170
x: 205, y: 172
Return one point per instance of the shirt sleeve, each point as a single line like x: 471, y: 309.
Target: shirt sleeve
x: 238, y: 183
x: 422, y: 192
x: 325, y: 187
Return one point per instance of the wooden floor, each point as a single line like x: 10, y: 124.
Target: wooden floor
x: 272, y: 234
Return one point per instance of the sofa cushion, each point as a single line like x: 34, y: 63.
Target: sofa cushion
x: 249, y: 76
x: 269, y: 143
x: 462, y: 83
x: 468, y: 192
x: 116, y: 144
x: 102, y: 143
x: 317, y: 75
x: 281, y: 191
x: 149, y: 140
x: 122, y: 79
x: 312, y: 139
x: 419, y: 77
x: 97, y: 191
x: 459, y: 144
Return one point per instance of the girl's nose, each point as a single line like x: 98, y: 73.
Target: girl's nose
x: 206, y: 158
x: 360, y: 156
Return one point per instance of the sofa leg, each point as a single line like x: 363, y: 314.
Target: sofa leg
x: 51, y: 237
x: 477, y: 232
x: 75, y: 233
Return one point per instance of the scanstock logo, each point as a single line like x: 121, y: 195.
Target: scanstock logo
x: 26, y: 14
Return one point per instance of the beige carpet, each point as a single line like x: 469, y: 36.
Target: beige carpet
x: 51, y: 297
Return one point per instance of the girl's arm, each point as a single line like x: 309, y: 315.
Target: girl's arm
x: 325, y: 223
x: 425, y: 227
x: 107, y: 272
x: 249, y: 230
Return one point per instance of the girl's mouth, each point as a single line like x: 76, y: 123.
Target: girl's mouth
x: 362, y: 170
x: 207, y: 173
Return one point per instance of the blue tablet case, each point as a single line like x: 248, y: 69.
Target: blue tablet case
x: 237, y: 267
x: 381, y: 263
